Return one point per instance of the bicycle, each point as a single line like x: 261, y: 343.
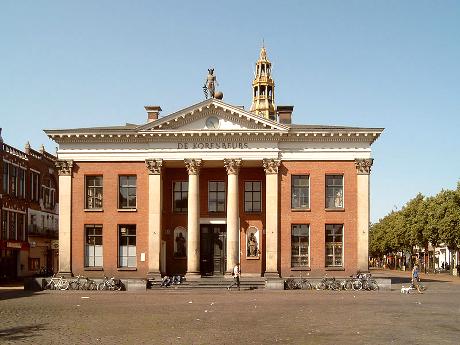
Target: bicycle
x: 327, y: 283
x: 57, y: 283
x: 298, y: 284
x: 111, y: 284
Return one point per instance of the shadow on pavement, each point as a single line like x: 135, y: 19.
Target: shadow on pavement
x: 9, y: 294
x: 20, y: 333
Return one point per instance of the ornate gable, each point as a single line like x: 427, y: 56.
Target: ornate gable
x: 211, y: 115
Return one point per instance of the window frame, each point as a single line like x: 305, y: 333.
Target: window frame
x: 128, y: 187
x: 128, y: 236
x: 330, y: 200
x: 181, y: 192
x: 299, y: 246
x: 87, y: 248
x: 334, y: 244
x: 218, y: 194
x: 94, y: 189
x: 6, y: 177
x: 299, y: 189
x: 252, y: 192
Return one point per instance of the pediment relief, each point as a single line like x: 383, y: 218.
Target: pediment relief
x: 212, y: 115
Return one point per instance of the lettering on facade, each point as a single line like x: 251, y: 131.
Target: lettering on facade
x: 212, y: 146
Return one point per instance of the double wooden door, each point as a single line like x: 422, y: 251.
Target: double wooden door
x: 213, y: 249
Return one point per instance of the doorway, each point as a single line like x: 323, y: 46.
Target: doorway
x: 213, y: 249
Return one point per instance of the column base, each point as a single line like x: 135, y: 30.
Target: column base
x: 271, y: 275
x: 64, y: 274
x: 192, y: 275
x: 156, y: 275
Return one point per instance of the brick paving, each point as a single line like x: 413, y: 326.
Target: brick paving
x: 230, y: 317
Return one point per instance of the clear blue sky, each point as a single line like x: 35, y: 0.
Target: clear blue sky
x: 392, y: 64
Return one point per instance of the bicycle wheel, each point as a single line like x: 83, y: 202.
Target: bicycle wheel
x: 101, y: 286
x: 357, y: 285
x: 64, y: 285
x: 373, y: 286
x: 422, y: 287
x: 321, y: 286
x: 92, y: 285
x: 335, y: 285
x: 73, y: 285
x: 348, y: 285
x: 305, y: 285
x: 291, y: 284
x: 50, y: 286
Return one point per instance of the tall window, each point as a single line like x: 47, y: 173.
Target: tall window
x: 252, y: 196
x: 300, y: 245
x: 4, y: 225
x: 127, y: 198
x: 20, y: 225
x: 6, y: 178
x: 300, y: 185
x: 180, y: 197
x: 14, y: 179
x: 334, y: 245
x: 21, y: 183
x: 127, y: 244
x: 93, y: 192
x: 34, y: 186
x: 334, y: 191
x: 216, y: 196
x: 12, y: 224
x: 93, y: 246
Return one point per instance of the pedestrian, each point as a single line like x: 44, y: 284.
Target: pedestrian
x: 236, y: 277
x: 416, y: 277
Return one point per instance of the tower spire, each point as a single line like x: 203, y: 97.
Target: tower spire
x: 263, y: 87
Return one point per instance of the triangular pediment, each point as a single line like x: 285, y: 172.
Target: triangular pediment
x: 212, y: 115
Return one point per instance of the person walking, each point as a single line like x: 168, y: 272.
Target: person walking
x: 236, y: 277
x: 416, y: 277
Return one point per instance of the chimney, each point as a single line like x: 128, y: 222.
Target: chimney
x: 285, y: 113
x: 153, y: 111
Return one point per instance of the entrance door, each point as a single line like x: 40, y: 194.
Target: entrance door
x: 213, y: 249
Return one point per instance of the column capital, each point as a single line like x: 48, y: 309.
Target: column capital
x: 154, y: 166
x: 193, y: 166
x: 271, y: 165
x: 232, y: 165
x: 64, y: 167
x: 363, y: 165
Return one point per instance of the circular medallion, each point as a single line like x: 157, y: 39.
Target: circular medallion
x: 212, y: 122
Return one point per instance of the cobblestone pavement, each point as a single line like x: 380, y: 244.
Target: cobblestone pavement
x: 232, y: 317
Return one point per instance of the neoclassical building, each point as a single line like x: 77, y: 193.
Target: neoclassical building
x: 196, y: 191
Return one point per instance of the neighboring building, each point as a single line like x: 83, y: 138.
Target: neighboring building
x: 29, y: 212
x: 211, y: 185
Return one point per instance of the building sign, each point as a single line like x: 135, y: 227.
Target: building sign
x: 55, y: 244
x: 230, y: 145
x: 14, y: 245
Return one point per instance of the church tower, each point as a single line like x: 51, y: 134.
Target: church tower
x: 263, y: 88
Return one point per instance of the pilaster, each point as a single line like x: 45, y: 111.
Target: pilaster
x: 363, y: 169
x: 64, y: 168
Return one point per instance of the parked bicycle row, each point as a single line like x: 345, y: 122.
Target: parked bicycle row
x: 360, y: 281
x: 82, y: 283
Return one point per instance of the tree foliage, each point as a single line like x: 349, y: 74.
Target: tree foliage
x: 422, y: 220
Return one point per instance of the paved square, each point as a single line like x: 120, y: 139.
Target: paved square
x: 230, y: 317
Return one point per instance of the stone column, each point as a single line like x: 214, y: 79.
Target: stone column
x: 65, y: 216
x: 233, y: 233
x: 271, y: 217
x: 154, y: 167
x: 193, y: 218
x: 363, y: 169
